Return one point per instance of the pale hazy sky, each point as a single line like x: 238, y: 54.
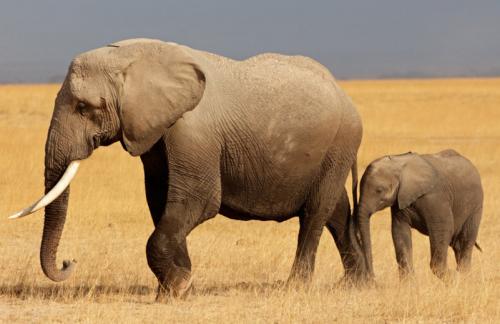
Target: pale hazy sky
x: 353, y: 38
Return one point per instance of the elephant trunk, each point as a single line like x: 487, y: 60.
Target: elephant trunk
x: 55, y: 216
x: 55, y: 212
x: 363, y: 221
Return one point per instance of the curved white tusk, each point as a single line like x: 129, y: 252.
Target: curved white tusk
x: 57, y: 190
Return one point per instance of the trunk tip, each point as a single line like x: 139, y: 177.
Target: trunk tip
x: 62, y: 274
x: 68, y: 263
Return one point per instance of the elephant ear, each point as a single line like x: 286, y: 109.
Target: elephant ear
x: 159, y: 86
x: 417, y: 178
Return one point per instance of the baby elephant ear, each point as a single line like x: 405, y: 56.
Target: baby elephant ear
x: 161, y: 85
x: 417, y: 178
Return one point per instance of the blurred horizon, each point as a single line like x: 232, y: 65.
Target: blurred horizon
x: 355, y: 40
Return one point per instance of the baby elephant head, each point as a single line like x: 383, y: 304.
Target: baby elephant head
x: 391, y: 181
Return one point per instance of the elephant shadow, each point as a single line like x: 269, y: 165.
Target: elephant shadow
x: 223, y: 289
x: 25, y: 291
x: 268, y: 287
x: 73, y: 292
x: 56, y: 292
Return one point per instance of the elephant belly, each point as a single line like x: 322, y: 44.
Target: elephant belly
x: 271, y: 186
x: 263, y: 201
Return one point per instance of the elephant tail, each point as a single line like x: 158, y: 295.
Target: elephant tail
x: 476, y: 244
x: 354, y: 171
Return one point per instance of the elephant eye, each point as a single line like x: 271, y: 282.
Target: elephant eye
x: 379, y: 190
x: 83, y: 108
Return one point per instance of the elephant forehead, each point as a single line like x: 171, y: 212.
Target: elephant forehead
x: 86, y: 88
x: 93, y: 61
x: 380, y: 169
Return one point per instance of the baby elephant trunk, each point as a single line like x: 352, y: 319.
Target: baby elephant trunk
x: 363, y: 222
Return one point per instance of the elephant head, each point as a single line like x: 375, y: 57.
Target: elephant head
x: 391, y: 181
x: 131, y: 91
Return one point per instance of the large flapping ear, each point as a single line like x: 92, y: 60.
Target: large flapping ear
x: 160, y: 85
x: 417, y: 178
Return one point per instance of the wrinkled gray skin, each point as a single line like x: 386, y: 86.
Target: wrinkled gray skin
x: 440, y: 195
x: 268, y: 138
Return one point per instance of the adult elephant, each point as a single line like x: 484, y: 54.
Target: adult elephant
x: 267, y: 138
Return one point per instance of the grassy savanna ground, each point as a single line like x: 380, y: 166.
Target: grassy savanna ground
x: 237, y: 265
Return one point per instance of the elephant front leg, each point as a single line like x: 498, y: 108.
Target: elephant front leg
x: 156, y: 180
x: 169, y: 260
x: 166, y: 249
x: 401, y: 237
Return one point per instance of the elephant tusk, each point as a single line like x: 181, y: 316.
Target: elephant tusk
x: 55, y: 192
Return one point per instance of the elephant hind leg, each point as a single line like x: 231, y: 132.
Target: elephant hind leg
x: 338, y: 226
x: 439, y: 221
x: 311, y: 227
x: 318, y: 208
x: 463, y: 255
x: 464, y: 242
x: 439, y: 251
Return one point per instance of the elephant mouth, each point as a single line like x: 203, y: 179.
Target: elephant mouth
x: 96, y: 141
x: 123, y: 144
x: 105, y: 139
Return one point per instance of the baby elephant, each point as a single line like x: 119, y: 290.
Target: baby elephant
x: 440, y: 195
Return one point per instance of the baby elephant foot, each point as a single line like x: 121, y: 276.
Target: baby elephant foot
x: 450, y: 278
x: 177, y: 284
x: 446, y: 275
x: 440, y: 272
x: 406, y: 275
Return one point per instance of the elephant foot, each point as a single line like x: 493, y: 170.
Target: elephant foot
x: 356, y: 280
x: 298, y: 283
x: 450, y: 278
x: 177, y: 285
x: 357, y: 277
x: 352, y: 281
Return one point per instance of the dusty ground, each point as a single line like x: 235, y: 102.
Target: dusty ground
x: 238, y: 265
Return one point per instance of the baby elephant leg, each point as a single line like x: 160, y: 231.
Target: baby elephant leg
x: 439, y: 222
x: 401, y: 236
x: 465, y: 241
x: 440, y: 239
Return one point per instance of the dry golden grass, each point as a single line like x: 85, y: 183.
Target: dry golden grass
x: 237, y: 264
